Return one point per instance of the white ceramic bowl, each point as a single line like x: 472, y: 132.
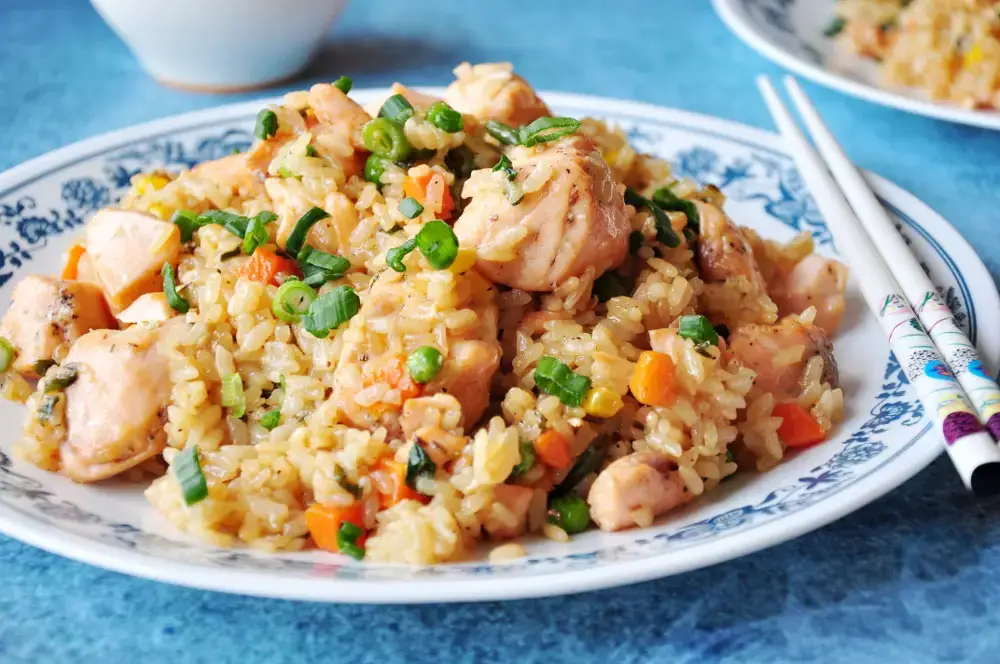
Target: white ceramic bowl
x: 221, y: 45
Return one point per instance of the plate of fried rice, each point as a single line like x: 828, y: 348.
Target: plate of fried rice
x: 465, y: 343
x: 938, y: 58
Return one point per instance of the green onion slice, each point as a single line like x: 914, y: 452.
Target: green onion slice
x: 385, y: 138
x: 635, y: 241
x: 62, y: 378
x: 506, y: 167
x: 671, y: 202
x: 7, y: 354
x: 40, y: 367
x: 547, y: 129
x: 298, y: 235
x: 344, y: 84
x: 587, y: 463
x: 187, y: 470
x: 331, y: 310
x: 394, y: 257
x: 267, y: 124
x: 176, y: 302
x: 311, y: 151
x: 256, y: 236
x: 418, y: 464
x: 374, y: 168
x: 234, y: 223
x: 232, y: 395
x: 188, y: 222
x: 527, y: 462
x: 570, y: 513
x: 340, y: 475
x: 444, y: 117
x: 698, y: 329
x: 505, y: 134
x: 270, y: 419
x: 611, y: 284
x: 292, y: 300
x: 664, y: 230
x: 347, y: 540
x: 396, y: 109
x: 835, y: 27
x: 410, y: 208
x: 438, y: 243
x: 556, y: 378
x: 424, y: 364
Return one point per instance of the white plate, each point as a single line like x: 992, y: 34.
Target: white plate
x: 883, y: 441
x: 790, y: 33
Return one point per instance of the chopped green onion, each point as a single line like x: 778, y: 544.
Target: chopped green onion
x: 187, y: 470
x: 62, y: 378
x: 664, y: 230
x: 505, y: 134
x: 234, y: 223
x: 311, y: 151
x: 176, y: 302
x: 424, y: 364
x: 514, y: 193
x: 410, y: 208
x: 340, y: 475
x: 460, y: 161
x: 671, y: 202
x: 331, y: 310
x: 835, y: 27
x: 611, y: 284
x: 270, y: 419
x: 42, y: 366
x: 698, y: 329
x: 292, y: 300
x: 729, y: 457
x: 394, y: 257
x: 635, y: 240
x: 7, y: 354
x: 506, y: 167
x: 266, y: 217
x: 527, y: 462
x: 587, y: 463
x: 438, y: 243
x: 287, y: 174
x: 513, y: 190
x: 298, y: 235
x: 48, y: 405
x: 344, y: 84
x: 554, y: 377
x: 444, y: 117
x: 256, y: 236
x: 546, y: 129
x: 418, y: 464
x: 267, y: 124
x: 374, y: 168
x: 232, y: 395
x: 331, y: 265
x: 570, y: 513
x: 396, y: 109
x: 188, y: 222
x: 385, y: 138
x: 347, y: 540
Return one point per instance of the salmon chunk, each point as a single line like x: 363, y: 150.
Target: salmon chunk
x: 466, y: 376
x: 723, y: 249
x: 116, y: 410
x: 639, y: 482
x: 815, y: 281
x: 509, y: 517
x: 148, y: 308
x: 47, y: 315
x: 492, y: 91
x: 128, y: 250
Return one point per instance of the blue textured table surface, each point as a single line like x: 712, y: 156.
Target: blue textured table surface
x: 910, y: 578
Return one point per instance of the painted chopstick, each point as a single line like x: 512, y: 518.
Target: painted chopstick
x: 971, y: 449
x: 959, y: 352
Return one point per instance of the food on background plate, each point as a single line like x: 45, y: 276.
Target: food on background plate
x: 398, y: 331
x: 949, y: 49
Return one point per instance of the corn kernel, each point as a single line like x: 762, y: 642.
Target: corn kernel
x: 602, y: 402
x: 974, y: 55
x: 150, y: 182
x: 464, y: 261
x: 160, y: 211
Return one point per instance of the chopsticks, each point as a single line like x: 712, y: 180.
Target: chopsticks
x: 945, y: 388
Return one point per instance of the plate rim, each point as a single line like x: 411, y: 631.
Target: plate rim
x: 779, y: 55
x: 49, y: 538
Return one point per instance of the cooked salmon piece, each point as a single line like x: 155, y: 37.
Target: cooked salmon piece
x: 117, y: 407
x: 492, y: 91
x: 47, y: 315
x: 815, y: 281
x: 512, y: 520
x: 148, y: 308
x: 638, y: 482
x: 466, y: 375
x: 779, y: 353
x: 723, y: 249
x: 574, y: 221
x: 128, y: 250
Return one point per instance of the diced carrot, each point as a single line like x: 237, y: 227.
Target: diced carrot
x: 73, y: 256
x: 394, y: 373
x: 400, y: 489
x: 653, y: 382
x: 323, y: 522
x: 267, y: 267
x: 433, y: 183
x: 553, y: 448
x: 798, y: 428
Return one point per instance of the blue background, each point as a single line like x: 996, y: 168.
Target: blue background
x: 910, y: 578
